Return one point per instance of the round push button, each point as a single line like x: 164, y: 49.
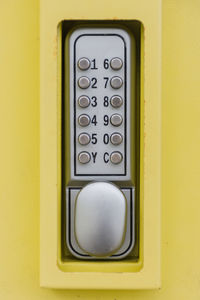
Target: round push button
x: 100, y: 219
x: 116, y: 120
x: 84, y: 138
x: 84, y: 157
x: 83, y: 82
x: 84, y: 101
x: 116, y: 82
x: 84, y: 120
x: 83, y: 63
x: 116, y: 101
x: 116, y: 63
x: 116, y: 138
x: 116, y: 157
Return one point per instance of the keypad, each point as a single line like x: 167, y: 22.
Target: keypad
x: 100, y: 119
x: 116, y: 120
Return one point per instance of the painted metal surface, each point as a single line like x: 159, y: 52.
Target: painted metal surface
x: 19, y: 93
x: 59, y: 272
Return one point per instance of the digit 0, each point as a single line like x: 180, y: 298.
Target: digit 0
x: 106, y: 138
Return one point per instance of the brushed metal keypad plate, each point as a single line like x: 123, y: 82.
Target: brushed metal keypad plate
x: 100, y: 46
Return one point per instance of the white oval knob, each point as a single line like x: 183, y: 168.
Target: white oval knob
x: 100, y: 219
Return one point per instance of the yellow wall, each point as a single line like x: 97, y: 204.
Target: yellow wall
x: 19, y: 159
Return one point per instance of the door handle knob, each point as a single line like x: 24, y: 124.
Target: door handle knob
x: 100, y: 219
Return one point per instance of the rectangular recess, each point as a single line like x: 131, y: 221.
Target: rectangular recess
x: 134, y: 261
x: 54, y: 273
x: 129, y: 193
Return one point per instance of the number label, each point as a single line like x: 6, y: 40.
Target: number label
x: 106, y: 120
x: 93, y: 65
x: 106, y: 138
x: 94, y: 83
x: 106, y: 63
x: 94, y: 138
x: 94, y: 120
x: 94, y: 101
x: 106, y: 101
x: 106, y: 82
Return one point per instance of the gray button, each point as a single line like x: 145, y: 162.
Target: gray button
x: 84, y: 120
x: 116, y: 120
x: 84, y: 82
x: 116, y: 138
x: 116, y: 157
x: 84, y: 157
x: 84, y: 138
x: 84, y: 101
x: 116, y: 101
x: 116, y: 82
x: 116, y: 63
x: 83, y: 63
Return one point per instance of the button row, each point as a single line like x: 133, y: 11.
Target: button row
x: 84, y: 120
x: 116, y: 82
x: 116, y: 138
x: 84, y: 101
x: 115, y: 63
x: 85, y: 157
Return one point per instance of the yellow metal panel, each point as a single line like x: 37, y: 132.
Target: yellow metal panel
x: 149, y: 14
x: 19, y: 172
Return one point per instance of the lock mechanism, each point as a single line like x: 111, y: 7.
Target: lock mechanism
x: 100, y: 192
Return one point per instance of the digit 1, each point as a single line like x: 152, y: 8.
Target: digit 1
x: 93, y: 63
